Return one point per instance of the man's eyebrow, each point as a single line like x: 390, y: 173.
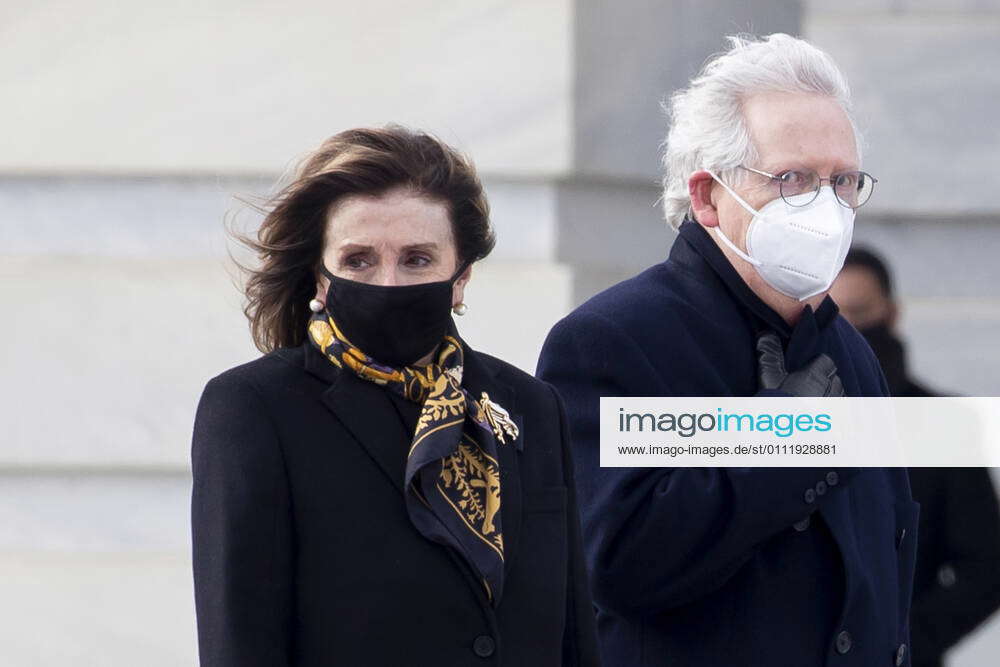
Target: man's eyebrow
x: 796, y: 165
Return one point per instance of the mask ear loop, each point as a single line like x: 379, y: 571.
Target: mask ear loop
x: 718, y: 228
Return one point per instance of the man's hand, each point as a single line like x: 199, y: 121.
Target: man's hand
x: 818, y: 378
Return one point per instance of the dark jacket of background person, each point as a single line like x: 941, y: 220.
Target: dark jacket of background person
x: 739, y: 566
x: 957, y: 582
x: 303, y: 550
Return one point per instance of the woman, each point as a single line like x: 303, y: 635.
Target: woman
x: 372, y: 491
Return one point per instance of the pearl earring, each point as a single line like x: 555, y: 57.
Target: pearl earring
x: 460, y: 309
x: 316, y: 306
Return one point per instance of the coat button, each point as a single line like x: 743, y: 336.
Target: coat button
x: 801, y: 525
x: 946, y: 576
x: 900, y: 655
x: 483, y: 646
x: 843, y: 642
x: 820, y: 488
x: 832, y: 478
x: 810, y: 496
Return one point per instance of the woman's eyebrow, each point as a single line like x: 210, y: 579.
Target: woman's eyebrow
x: 430, y: 245
x: 352, y: 247
x: 355, y: 247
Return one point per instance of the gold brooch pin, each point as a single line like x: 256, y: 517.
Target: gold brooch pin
x: 499, y: 419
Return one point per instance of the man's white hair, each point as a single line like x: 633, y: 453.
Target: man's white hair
x: 707, y: 128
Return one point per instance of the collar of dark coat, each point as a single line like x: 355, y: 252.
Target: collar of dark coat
x: 366, y: 411
x: 697, y: 252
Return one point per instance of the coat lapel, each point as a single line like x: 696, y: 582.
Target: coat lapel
x: 366, y: 410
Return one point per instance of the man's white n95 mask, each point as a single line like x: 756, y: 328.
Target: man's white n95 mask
x: 797, y: 250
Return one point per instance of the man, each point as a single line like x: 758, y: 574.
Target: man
x: 741, y: 566
x: 957, y: 582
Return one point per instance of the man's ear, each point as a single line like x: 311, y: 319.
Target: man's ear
x: 700, y: 187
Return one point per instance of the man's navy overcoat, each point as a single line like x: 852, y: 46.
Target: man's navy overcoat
x: 737, y: 566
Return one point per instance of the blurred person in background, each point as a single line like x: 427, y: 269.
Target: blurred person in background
x: 957, y: 582
x: 372, y: 491
x: 741, y: 566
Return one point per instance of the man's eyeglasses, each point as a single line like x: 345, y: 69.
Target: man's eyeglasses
x: 853, y: 188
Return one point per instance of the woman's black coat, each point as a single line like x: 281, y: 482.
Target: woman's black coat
x: 303, y: 550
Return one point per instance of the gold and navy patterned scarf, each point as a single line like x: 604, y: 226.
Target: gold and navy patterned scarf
x: 452, y: 481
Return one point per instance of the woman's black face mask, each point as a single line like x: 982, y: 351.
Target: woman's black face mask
x: 394, y: 325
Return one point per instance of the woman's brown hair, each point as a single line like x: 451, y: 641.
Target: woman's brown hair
x: 363, y: 161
